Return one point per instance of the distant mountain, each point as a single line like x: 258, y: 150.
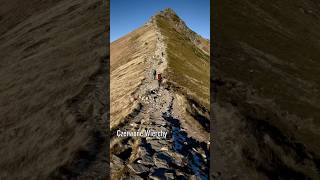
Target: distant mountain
x: 178, y: 104
x: 267, y: 102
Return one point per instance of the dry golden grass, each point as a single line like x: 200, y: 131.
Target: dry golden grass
x: 127, y: 64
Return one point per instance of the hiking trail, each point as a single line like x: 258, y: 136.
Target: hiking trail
x: 178, y: 155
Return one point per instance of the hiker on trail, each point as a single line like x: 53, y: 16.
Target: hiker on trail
x: 162, y: 54
x: 154, y: 73
x: 159, y: 79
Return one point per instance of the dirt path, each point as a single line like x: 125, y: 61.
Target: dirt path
x: 175, y: 155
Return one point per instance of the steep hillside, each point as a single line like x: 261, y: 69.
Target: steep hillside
x: 140, y: 102
x: 266, y: 80
x: 127, y: 66
x: 188, y: 64
x: 52, y: 89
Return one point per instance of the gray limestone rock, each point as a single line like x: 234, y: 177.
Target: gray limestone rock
x: 146, y: 160
x: 169, y: 175
x: 137, y: 168
x: 155, y: 145
x: 160, y: 163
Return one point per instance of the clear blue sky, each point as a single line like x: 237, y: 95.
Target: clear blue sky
x: 128, y: 15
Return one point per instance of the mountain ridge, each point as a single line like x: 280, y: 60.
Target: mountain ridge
x: 169, y: 105
x: 181, y: 27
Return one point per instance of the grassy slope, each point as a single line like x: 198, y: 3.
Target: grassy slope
x: 127, y: 65
x: 272, y: 47
x: 188, y: 66
x: 299, y: 47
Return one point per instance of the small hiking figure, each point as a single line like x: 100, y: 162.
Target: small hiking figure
x: 162, y: 54
x: 154, y: 73
x: 159, y: 79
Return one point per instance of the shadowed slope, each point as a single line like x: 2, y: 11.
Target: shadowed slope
x: 52, y: 89
x: 266, y: 89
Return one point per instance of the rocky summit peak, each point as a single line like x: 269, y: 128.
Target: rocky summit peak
x: 168, y: 14
x: 169, y: 11
x: 172, y: 20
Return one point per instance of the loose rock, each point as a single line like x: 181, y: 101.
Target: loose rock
x: 137, y: 168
